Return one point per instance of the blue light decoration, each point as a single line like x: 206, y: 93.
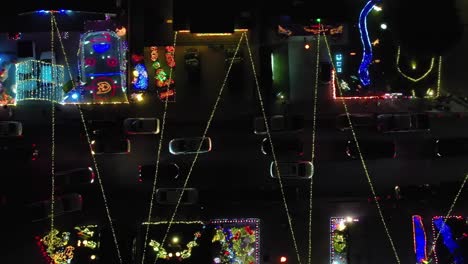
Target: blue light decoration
x: 101, y: 47
x: 140, y: 77
x: 339, y: 62
x: 366, y: 43
x: 38, y: 80
x: 448, y: 239
x: 419, y: 239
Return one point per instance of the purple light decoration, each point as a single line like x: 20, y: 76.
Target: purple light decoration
x: 366, y: 43
x: 419, y: 239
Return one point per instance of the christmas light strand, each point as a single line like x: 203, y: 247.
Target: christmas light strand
x: 98, y: 175
x: 314, y: 128
x: 364, y: 165
x: 210, y: 119
x: 158, y: 156
x: 439, y: 73
x: 52, y: 156
x: 280, y: 181
x: 409, y: 77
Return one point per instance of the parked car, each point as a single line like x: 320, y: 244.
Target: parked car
x: 359, y: 121
x: 17, y: 149
x: 11, y: 129
x: 288, y: 146
x: 110, y: 146
x: 372, y: 149
x: 403, y: 122
x: 278, y: 124
x: 167, y: 170
x: 451, y: 147
x: 170, y: 196
x: 67, y: 203
x: 292, y: 170
x: 75, y: 177
x: 182, y: 146
x: 141, y: 125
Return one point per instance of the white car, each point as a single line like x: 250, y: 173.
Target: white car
x: 11, y: 129
x: 179, y: 146
x: 292, y: 170
x: 141, y: 125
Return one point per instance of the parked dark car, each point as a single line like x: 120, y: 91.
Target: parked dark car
x: 18, y: 149
x: 77, y: 176
x: 170, y: 196
x: 359, y: 121
x: 451, y: 147
x: 110, y: 146
x: 283, y: 146
x: 182, y: 146
x: 292, y: 170
x: 279, y: 124
x: 403, y: 122
x: 66, y: 203
x: 372, y: 149
x: 165, y: 171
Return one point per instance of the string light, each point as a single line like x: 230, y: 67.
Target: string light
x: 439, y: 73
x: 409, y: 77
x: 364, y: 166
x: 210, y: 119
x: 158, y: 156
x: 98, y: 175
x: 314, y: 127
x: 52, y: 169
x: 286, y: 208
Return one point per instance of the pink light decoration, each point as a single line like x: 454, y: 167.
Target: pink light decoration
x: 112, y: 62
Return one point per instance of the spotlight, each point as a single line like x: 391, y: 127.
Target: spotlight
x: 383, y: 26
x: 175, y: 240
x: 307, y: 46
x: 74, y: 96
x: 283, y: 259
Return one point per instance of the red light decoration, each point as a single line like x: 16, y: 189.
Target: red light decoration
x: 112, y: 62
x: 90, y: 62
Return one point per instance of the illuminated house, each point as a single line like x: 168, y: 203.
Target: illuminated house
x: 38, y: 80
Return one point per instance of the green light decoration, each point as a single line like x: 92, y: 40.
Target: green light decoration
x: 237, y: 243
x: 164, y: 253
x: 318, y: 20
x: 339, y: 242
x: 57, y: 247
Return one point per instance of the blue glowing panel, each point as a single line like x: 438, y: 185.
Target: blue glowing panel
x: 102, y: 69
x: 419, y: 239
x: 452, y: 235
x: 366, y: 43
x: 140, y: 77
x: 339, y: 62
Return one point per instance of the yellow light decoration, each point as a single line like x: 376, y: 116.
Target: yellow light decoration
x: 409, y: 77
x: 121, y: 31
x: 439, y: 76
x: 162, y: 253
